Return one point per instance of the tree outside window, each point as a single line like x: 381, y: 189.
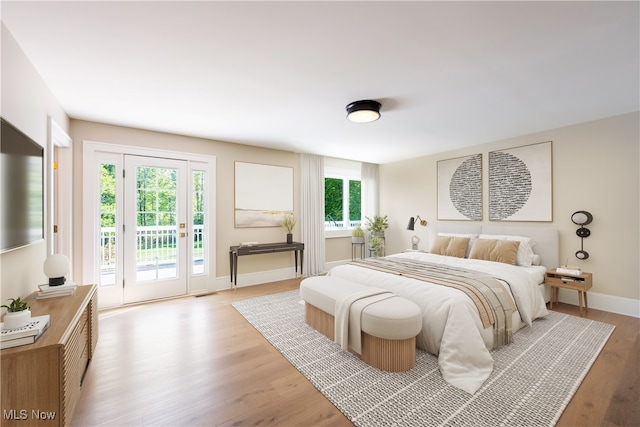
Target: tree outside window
x: 342, y: 203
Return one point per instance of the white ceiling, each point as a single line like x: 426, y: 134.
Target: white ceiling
x: 279, y: 74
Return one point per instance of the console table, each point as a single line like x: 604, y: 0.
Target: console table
x: 262, y: 248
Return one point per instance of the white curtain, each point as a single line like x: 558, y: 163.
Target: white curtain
x: 370, y: 199
x: 312, y: 212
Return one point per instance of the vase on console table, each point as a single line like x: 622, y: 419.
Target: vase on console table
x: 17, y: 319
x: 289, y: 238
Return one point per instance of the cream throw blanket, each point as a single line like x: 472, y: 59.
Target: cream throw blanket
x: 348, y: 313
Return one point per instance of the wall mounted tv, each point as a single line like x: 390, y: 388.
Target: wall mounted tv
x: 21, y: 189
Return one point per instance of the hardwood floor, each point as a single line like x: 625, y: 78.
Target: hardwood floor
x: 196, y: 362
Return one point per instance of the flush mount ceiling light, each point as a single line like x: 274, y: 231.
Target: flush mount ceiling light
x: 364, y: 111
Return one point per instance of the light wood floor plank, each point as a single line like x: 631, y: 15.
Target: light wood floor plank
x: 197, y: 362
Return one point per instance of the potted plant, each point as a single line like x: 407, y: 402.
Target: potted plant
x: 377, y: 225
x: 288, y: 222
x: 18, y: 314
x: 377, y: 244
x: 357, y: 235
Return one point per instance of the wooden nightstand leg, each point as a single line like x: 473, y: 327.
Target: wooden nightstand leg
x: 580, y: 301
x: 586, y: 304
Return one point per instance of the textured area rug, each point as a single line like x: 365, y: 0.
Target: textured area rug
x: 532, y: 382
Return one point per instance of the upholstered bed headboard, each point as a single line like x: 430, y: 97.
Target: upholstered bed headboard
x: 546, y: 238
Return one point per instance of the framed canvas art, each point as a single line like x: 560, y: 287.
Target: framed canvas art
x: 520, y: 185
x: 460, y: 188
x: 263, y: 194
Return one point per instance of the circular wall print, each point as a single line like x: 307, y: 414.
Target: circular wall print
x: 465, y: 188
x: 509, y: 185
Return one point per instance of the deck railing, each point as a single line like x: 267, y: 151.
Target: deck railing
x: 155, y: 245
x: 341, y: 225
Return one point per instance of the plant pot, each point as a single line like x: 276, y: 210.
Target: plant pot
x: 289, y: 238
x: 359, y: 240
x: 17, y: 319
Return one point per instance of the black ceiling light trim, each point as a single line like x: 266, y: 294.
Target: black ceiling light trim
x: 364, y: 111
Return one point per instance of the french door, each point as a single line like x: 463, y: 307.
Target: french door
x: 155, y: 228
x: 147, y: 221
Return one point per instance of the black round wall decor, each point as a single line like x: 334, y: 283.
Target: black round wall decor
x: 582, y: 218
x: 583, y: 232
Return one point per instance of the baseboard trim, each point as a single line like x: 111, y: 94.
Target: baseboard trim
x: 610, y: 303
x: 257, y: 278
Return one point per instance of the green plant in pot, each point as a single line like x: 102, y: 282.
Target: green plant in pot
x: 18, y: 314
x: 288, y: 222
x: 377, y: 243
x: 357, y: 235
x: 378, y: 225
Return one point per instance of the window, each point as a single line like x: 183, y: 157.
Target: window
x: 342, y: 195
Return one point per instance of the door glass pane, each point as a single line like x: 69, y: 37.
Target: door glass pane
x: 156, y: 230
x: 198, y: 254
x: 107, y: 224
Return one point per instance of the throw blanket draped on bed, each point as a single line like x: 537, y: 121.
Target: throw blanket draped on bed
x: 488, y: 294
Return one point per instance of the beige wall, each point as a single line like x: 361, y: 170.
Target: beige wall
x: 595, y: 168
x: 226, y: 154
x: 27, y: 103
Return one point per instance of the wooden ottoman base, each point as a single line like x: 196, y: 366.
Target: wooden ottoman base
x: 384, y: 354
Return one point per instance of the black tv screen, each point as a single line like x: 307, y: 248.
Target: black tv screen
x: 21, y: 189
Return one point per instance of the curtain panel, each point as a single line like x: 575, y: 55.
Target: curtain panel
x: 370, y: 183
x: 312, y: 212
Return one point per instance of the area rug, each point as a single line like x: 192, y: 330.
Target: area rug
x: 532, y: 382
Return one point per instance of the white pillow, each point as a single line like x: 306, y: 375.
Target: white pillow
x: 472, y: 238
x: 525, y: 250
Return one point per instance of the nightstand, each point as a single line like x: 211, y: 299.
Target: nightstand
x: 578, y: 282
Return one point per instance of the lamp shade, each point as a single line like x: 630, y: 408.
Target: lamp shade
x: 55, y: 268
x: 364, y: 111
x: 412, y: 223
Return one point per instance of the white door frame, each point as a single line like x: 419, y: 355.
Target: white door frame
x: 92, y: 151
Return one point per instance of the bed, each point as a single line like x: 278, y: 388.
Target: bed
x: 454, y: 326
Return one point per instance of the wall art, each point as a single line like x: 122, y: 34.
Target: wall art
x: 460, y: 188
x: 520, y: 183
x: 263, y: 194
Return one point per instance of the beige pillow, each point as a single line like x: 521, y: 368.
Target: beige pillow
x: 450, y: 246
x: 495, y: 250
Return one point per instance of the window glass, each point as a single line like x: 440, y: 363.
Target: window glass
x: 342, y: 195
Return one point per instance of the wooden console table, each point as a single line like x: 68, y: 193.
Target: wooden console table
x: 262, y: 248
x: 41, y: 381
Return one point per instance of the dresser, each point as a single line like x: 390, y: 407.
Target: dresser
x: 41, y: 382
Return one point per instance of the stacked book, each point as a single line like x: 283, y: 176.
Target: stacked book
x: 568, y: 270
x: 27, y: 334
x: 48, y: 291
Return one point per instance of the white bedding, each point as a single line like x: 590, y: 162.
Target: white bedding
x: 451, y: 326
